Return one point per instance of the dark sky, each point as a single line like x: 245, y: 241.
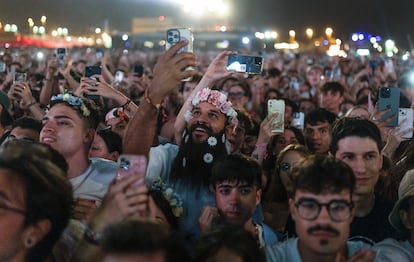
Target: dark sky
x: 385, y: 17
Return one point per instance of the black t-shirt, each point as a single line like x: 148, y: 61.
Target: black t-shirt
x: 374, y: 226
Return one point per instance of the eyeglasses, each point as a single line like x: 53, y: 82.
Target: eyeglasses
x: 12, y: 209
x: 309, y: 209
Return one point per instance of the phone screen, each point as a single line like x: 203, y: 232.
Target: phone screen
x: 245, y: 64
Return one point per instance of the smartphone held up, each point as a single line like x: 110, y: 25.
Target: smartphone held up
x: 129, y: 165
x: 278, y: 107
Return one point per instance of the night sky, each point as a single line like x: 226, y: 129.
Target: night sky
x: 389, y: 18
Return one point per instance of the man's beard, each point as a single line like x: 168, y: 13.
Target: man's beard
x: 195, y: 160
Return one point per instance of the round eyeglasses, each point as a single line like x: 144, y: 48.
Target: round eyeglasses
x: 338, y: 210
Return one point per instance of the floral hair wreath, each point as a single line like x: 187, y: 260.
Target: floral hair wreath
x: 73, y: 101
x: 175, y: 201
x: 217, y: 99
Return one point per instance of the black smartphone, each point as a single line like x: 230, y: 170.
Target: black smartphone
x: 245, y: 64
x: 389, y: 98
x: 138, y: 70
x: 91, y: 71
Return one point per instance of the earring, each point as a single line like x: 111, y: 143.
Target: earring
x: 29, y: 242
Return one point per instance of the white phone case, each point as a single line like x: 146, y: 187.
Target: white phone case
x: 405, y: 113
x: 277, y: 106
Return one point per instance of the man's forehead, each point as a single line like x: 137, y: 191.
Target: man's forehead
x: 348, y: 144
x: 232, y: 183
x: 318, y: 124
x: 207, y: 106
x: 324, y: 196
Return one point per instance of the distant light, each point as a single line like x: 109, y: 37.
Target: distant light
x: 405, y: 56
x: 42, y: 30
x: 354, y: 37
x: 35, y: 29
x: 69, y: 39
x: 338, y: 41
x: 223, y: 28
x: 161, y: 43
x: 40, y: 55
x: 98, y: 30
x: 375, y: 45
x: 361, y: 37
x: 54, y: 33
x: 373, y: 40
x: 7, y: 27
x: 124, y: 37
x: 378, y: 38
x: 245, y: 40
x: 389, y: 43
x: 223, y: 44
x: 268, y: 35
x: 125, y: 51
x: 149, y: 44
x: 411, y: 77
x: 292, y: 33
x: 363, y: 52
x: 127, y: 44
x: 161, y: 18
x: 325, y: 42
x: 291, y: 46
x: 259, y: 35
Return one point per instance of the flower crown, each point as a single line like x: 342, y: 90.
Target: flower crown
x: 73, y: 101
x: 175, y: 201
x: 217, y: 99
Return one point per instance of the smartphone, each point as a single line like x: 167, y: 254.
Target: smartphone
x: 138, y: 70
x: 119, y: 76
x: 175, y: 35
x: 129, y: 165
x: 294, y: 84
x: 328, y: 74
x: 19, y: 77
x: 389, y: 98
x: 99, y: 53
x: 298, y: 120
x: 2, y: 67
x: 277, y: 106
x: 61, y: 55
x: 91, y: 71
x: 405, y: 121
x: 245, y: 64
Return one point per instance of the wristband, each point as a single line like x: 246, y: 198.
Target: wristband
x: 149, y: 101
x: 31, y: 103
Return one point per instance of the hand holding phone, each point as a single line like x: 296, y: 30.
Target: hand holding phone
x: 175, y: 35
x: 277, y: 106
x: 61, y: 56
x: 389, y: 99
x: 19, y: 77
x: 92, y: 72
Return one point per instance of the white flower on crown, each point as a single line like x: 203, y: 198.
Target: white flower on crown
x: 188, y: 116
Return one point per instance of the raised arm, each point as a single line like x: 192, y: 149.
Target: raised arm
x: 215, y: 71
x: 168, y: 72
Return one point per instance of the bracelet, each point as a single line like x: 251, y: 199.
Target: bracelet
x: 149, y: 101
x: 92, y: 236
x: 31, y: 103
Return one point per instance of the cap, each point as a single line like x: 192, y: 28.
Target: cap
x: 405, y: 190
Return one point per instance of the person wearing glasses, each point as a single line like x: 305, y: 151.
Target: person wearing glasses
x: 322, y: 207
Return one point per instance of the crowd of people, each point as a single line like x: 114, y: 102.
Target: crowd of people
x: 337, y: 184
